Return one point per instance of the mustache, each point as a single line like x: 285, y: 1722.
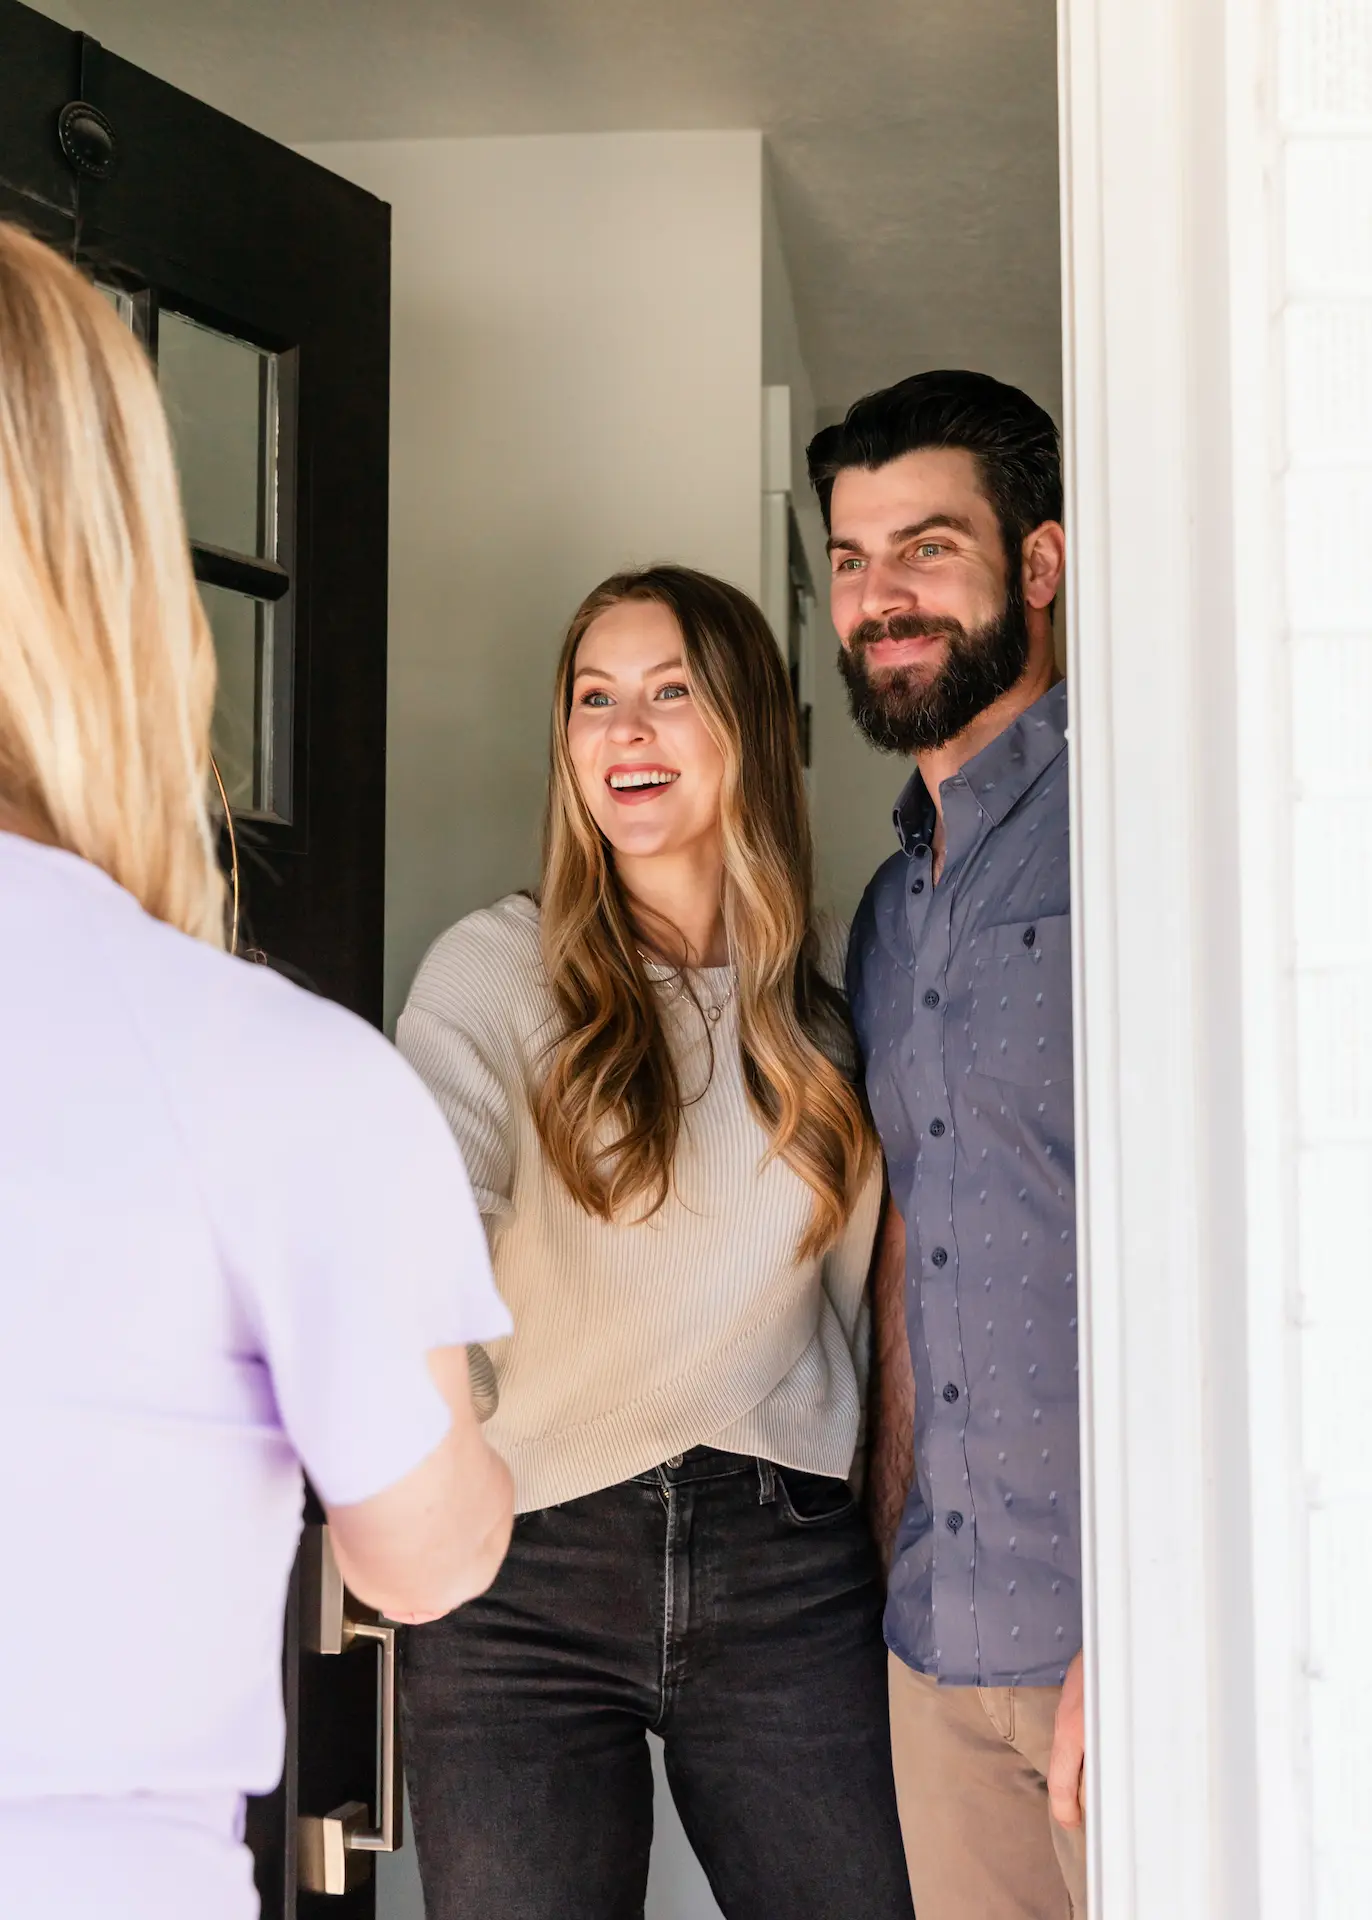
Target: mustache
x: 904, y: 626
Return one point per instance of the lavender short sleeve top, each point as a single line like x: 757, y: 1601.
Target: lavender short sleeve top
x: 232, y: 1225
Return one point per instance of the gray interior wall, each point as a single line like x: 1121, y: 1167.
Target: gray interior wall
x: 576, y: 377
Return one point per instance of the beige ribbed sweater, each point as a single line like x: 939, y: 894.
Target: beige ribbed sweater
x: 636, y: 1340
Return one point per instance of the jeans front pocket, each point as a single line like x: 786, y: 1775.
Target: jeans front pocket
x: 813, y: 1499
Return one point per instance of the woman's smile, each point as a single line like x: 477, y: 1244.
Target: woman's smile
x: 632, y: 785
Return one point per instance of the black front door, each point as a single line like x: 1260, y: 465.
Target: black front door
x: 261, y: 285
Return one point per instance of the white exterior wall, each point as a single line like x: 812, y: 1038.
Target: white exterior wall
x: 1218, y: 230
x: 576, y: 380
x: 1322, y: 221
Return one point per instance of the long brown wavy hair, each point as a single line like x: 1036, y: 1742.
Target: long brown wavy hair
x: 609, y: 1107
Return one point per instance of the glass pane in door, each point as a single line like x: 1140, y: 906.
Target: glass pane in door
x: 241, y: 736
x: 221, y: 400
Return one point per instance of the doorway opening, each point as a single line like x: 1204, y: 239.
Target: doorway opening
x: 639, y: 257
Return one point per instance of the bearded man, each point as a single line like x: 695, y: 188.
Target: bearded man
x: 943, y: 501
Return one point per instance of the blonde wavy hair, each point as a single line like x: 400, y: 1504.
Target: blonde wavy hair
x: 107, y: 670
x: 609, y: 1107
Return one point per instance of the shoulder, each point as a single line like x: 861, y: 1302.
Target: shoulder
x: 489, y: 965
x: 244, y: 1067
x: 887, y: 885
x: 240, y: 1049
x: 318, y: 1058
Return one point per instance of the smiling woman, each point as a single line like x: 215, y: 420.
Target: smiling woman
x: 650, y: 1076
x: 671, y: 673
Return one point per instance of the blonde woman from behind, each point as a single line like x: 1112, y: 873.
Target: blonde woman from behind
x: 650, y: 1074
x: 234, y: 1233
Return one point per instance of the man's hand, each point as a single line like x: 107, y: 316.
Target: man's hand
x: 1065, y: 1783
x: 891, y: 1394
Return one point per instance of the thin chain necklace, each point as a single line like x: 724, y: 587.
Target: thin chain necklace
x: 712, y: 1009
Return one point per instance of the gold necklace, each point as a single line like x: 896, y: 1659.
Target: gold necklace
x: 713, y: 1010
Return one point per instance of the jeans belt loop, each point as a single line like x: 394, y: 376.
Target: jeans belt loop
x: 766, y: 1483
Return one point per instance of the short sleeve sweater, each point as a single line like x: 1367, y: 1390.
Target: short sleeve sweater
x: 638, y: 1338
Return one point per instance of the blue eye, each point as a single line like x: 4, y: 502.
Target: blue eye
x: 675, y: 691
x: 598, y: 698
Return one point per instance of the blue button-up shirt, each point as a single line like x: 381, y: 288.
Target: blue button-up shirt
x: 962, y: 1000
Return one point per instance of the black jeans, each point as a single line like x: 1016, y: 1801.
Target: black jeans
x: 729, y: 1605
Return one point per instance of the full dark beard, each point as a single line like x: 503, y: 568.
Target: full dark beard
x: 905, y: 710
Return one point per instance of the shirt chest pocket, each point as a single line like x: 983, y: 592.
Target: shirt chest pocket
x: 1019, y: 1020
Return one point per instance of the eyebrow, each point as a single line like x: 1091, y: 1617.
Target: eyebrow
x: 599, y: 673
x: 953, y: 521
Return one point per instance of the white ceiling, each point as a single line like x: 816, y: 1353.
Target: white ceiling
x: 913, y: 142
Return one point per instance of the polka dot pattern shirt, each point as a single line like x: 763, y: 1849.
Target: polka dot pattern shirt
x: 962, y: 1000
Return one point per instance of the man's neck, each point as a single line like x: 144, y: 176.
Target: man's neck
x: 937, y: 764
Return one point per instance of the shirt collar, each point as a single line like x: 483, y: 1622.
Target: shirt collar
x: 1000, y: 775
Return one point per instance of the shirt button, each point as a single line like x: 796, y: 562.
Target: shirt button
x: 937, y: 1128
x: 931, y: 997
x: 921, y: 851
x: 939, y: 1256
x: 953, y: 1522
x: 950, y: 1393
x: 1029, y: 933
x: 918, y: 887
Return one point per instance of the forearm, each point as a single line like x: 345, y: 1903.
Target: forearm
x: 441, y: 1546
x: 891, y: 1409
x: 437, y: 1537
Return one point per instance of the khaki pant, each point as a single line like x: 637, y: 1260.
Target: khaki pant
x: 971, y: 1778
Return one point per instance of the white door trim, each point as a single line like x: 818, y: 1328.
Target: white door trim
x: 1192, y: 1576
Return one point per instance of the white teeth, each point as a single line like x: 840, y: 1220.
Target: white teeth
x: 619, y: 781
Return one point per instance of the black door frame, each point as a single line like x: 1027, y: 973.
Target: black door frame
x: 208, y: 217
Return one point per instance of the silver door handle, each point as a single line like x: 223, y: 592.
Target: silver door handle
x: 334, y: 1850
